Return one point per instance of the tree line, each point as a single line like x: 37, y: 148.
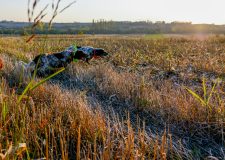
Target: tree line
x: 112, y: 27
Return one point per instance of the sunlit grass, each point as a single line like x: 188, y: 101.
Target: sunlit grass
x: 154, y: 36
x: 152, y: 83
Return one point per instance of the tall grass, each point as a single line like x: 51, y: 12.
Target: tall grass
x: 37, y: 20
x: 127, y: 106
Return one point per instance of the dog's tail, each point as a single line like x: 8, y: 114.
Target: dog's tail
x: 24, y: 70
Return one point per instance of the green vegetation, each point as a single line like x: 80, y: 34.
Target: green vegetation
x: 111, y: 27
x: 154, y: 36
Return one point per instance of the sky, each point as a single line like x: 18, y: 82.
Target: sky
x: 196, y: 11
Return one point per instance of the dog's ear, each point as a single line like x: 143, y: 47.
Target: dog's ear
x: 100, y: 52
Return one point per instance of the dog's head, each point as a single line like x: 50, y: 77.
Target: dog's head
x: 99, y: 52
x: 87, y: 53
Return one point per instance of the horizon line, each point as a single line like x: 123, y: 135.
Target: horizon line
x: 120, y: 21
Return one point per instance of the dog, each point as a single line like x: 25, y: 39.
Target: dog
x: 48, y: 64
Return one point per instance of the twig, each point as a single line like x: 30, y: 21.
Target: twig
x: 67, y: 6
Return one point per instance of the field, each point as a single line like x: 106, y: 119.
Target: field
x: 153, y: 97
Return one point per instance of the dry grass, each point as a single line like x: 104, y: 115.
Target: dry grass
x: 132, y: 105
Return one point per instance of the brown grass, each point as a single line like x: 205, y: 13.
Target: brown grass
x: 132, y: 105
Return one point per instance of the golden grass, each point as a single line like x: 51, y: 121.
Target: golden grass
x: 132, y: 105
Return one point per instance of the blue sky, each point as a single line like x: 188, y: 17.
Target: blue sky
x: 197, y: 11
